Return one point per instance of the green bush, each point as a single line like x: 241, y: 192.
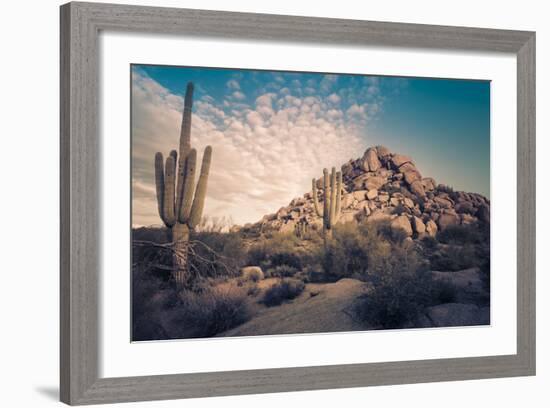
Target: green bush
x: 286, y: 289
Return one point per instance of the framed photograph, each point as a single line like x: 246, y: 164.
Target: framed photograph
x: 261, y: 203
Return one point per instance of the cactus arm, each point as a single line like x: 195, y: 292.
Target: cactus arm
x: 338, y: 196
x: 188, y: 186
x: 326, y: 197
x: 174, y: 155
x: 332, y: 216
x: 316, y: 205
x: 159, y: 182
x: 200, y: 192
x: 169, y: 181
x: 185, y: 139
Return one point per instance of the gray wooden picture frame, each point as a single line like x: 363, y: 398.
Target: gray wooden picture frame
x: 81, y: 24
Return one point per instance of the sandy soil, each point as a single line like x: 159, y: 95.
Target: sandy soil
x: 320, y: 308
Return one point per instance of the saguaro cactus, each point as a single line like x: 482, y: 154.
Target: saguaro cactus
x: 180, y: 203
x: 332, y: 192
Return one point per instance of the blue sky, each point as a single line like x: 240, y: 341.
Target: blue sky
x: 273, y: 131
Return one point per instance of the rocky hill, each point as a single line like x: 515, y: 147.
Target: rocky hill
x: 384, y: 185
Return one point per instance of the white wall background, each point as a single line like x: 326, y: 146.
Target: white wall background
x: 29, y: 174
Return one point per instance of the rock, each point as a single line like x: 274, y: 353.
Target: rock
x: 400, y: 159
x: 405, y: 168
x: 408, y: 202
x: 294, y: 215
x: 347, y: 217
x: 288, y: 227
x: 253, y: 273
x: 382, y: 172
x: 467, y: 219
x: 428, y: 183
x: 394, y: 201
x: 446, y: 220
x: 443, y: 202
x: 378, y: 215
x: 359, y: 181
x: 382, y: 151
x: 465, y: 207
x: 431, y: 228
x: 484, y: 213
x: 458, y: 314
x: 398, y: 176
x: 412, y: 176
x: 347, y: 200
x: 364, y: 207
x: 372, y: 194
x: 383, y: 197
x: 374, y: 182
x: 360, y: 195
x: 402, y: 223
x: 371, y: 158
x: 418, y: 189
x: 418, y: 226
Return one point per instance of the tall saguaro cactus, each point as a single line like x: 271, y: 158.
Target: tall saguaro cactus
x: 332, y: 192
x: 180, y: 203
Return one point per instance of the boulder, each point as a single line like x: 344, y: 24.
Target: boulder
x: 428, y: 183
x: 405, y: 168
x: 253, y: 273
x: 394, y: 201
x: 372, y: 194
x: 483, y: 213
x: 418, y: 226
x: 458, y: 314
x: 465, y: 207
x: 402, y: 223
x: 382, y: 151
x: 418, y: 189
x: 383, y: 197
x: 374, y: 182
x: 431, y: 228
x: 347, y: 200
x: 371, y: 158
x: 412, y: 176
x: 360, y: 195
x: 400, y: 159
x: 347, y: 217
x: 443, y: 202
x: 378, y: 215
x: 446, y: 220
x: 408, y: 202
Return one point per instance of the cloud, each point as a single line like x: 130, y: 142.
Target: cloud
x: 233, y: 84
x: 264, y: 154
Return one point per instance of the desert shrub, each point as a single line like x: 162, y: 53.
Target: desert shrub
x: 454, y: 258
x: 442, y: 292
x: 280, y: 249
x: 346, y: 254
x: 461, y: 235
x: 209, y: 313
x: 217, y: 254
x: 282, y: 271
x: 402, y: 288
x: 286, y: 289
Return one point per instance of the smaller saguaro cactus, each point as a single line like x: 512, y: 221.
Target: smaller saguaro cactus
x: 301, y: 228
x: 180, y: 202
x: 332, y: 206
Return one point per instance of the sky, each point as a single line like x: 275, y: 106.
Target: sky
x: 272, y: 132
